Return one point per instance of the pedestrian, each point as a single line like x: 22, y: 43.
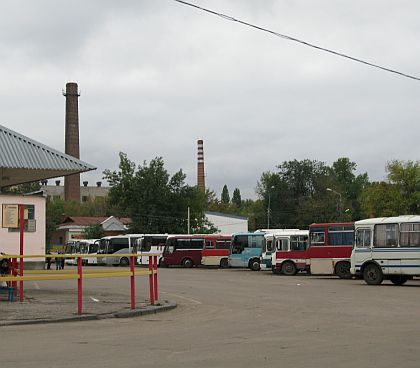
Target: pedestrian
x: 48, y: 261
x: 58, y: 262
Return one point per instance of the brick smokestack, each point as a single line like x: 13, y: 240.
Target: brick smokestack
x: 72, y: 182
x: 200, y: 166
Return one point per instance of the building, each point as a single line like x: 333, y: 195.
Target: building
x: 23, y: 160
x: 227, y: 224
x: 73, y: 227
x: 87, y: 193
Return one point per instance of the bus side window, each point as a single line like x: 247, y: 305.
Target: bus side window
x: 283, y: 245
x: 318, y: 238
x: 209, y: 244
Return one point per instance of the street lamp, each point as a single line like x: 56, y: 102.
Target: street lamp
x: 269, y: 208
x: 339, y: 201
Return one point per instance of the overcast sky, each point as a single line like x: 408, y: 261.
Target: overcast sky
x: 156, y: 75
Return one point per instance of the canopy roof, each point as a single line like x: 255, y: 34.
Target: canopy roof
x: 24, y: 160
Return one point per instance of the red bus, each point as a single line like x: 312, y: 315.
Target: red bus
x: 329, y: 251
x: 186, y: 250
x: 216, y: 252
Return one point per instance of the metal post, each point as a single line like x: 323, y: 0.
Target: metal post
x: 188, y: 222
x: 14, y: 273
x: 22, y: 229
x: 151, y: 287
x: 79, y: 285
x: 155, y: 277
x: 133, y: 283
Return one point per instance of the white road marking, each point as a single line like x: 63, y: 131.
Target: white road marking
x: 94, y: 299
x: 181, y: 297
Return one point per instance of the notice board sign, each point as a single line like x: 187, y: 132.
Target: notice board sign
x: 10, y: 215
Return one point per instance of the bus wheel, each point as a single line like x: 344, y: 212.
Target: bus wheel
x: 224, y: 263
x: 342, y: 270
x: 398, y: 280
x: 288, y: 269
x: 187, y: 263
x: 124, y: 262
x: 254, y: 264
x: 372, y: 274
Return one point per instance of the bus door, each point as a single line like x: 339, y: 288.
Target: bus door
x: 238, y: 246
x: 253, y: 250
x: 320, y: 260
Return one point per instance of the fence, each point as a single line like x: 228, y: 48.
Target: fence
x: 18, y: 275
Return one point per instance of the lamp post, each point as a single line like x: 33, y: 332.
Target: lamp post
x: 339, y: 203
x: 269, y: 206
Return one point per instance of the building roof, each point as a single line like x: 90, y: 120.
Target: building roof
x: 89, y: 221
x: 227, y: 215
x: 24, y: 160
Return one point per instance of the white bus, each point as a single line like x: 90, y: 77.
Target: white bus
x: 150, y: 244
x: 387, y: 248
x: 119, y: 244
x: 89, y: 247
x: 269, y: 247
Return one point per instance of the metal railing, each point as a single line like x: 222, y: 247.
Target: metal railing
x: 17, y: 275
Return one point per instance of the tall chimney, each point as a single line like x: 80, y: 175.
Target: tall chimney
x: 200, y: 166
x: 72, y: 182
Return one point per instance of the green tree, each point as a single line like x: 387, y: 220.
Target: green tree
x: 94, y: 232
x: 225, y: 198
x: 236, y: 198
x: 155, y: 201
x: 406, y: 177
x: 382, y: 199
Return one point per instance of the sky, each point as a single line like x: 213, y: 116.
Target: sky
x: 155, y: 76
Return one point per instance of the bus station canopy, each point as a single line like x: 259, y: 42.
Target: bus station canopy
x: 24, y: 160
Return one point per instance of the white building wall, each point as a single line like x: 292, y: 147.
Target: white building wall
x: 227, y: 225
x: 34, y: 242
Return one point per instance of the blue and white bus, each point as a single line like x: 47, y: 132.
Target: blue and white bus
x: 245, y: 250
x: 387, y: 248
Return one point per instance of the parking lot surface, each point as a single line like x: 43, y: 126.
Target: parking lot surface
x: 233, y: 318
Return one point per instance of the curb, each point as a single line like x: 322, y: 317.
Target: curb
x: 91, y: 317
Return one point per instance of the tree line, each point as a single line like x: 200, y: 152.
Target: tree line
x: 294, y: 195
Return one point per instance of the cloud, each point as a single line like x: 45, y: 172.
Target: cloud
x: 155, y: 76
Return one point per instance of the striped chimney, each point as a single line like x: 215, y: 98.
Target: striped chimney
x: 72, y: 182
x: 200, y: 166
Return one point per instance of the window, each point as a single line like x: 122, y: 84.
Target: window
x: 282, y: 244
x: 298, y: 243
x: 85, y: 198
x: 239, y: 243
x: 257, y: 241
x: 117, y: 244
x: 270, y: 245
x: 93, y: 248
x: 317, y: 238
x: 197, y: 243
x: 363, y: 238
x: 340, y: 236
x: 386, y: 235
x: 410, y: 235
x: 222, y: 244
x: 182, y: 243
x: 209, y: 244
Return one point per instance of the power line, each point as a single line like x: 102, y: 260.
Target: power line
x: 227, y: 17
